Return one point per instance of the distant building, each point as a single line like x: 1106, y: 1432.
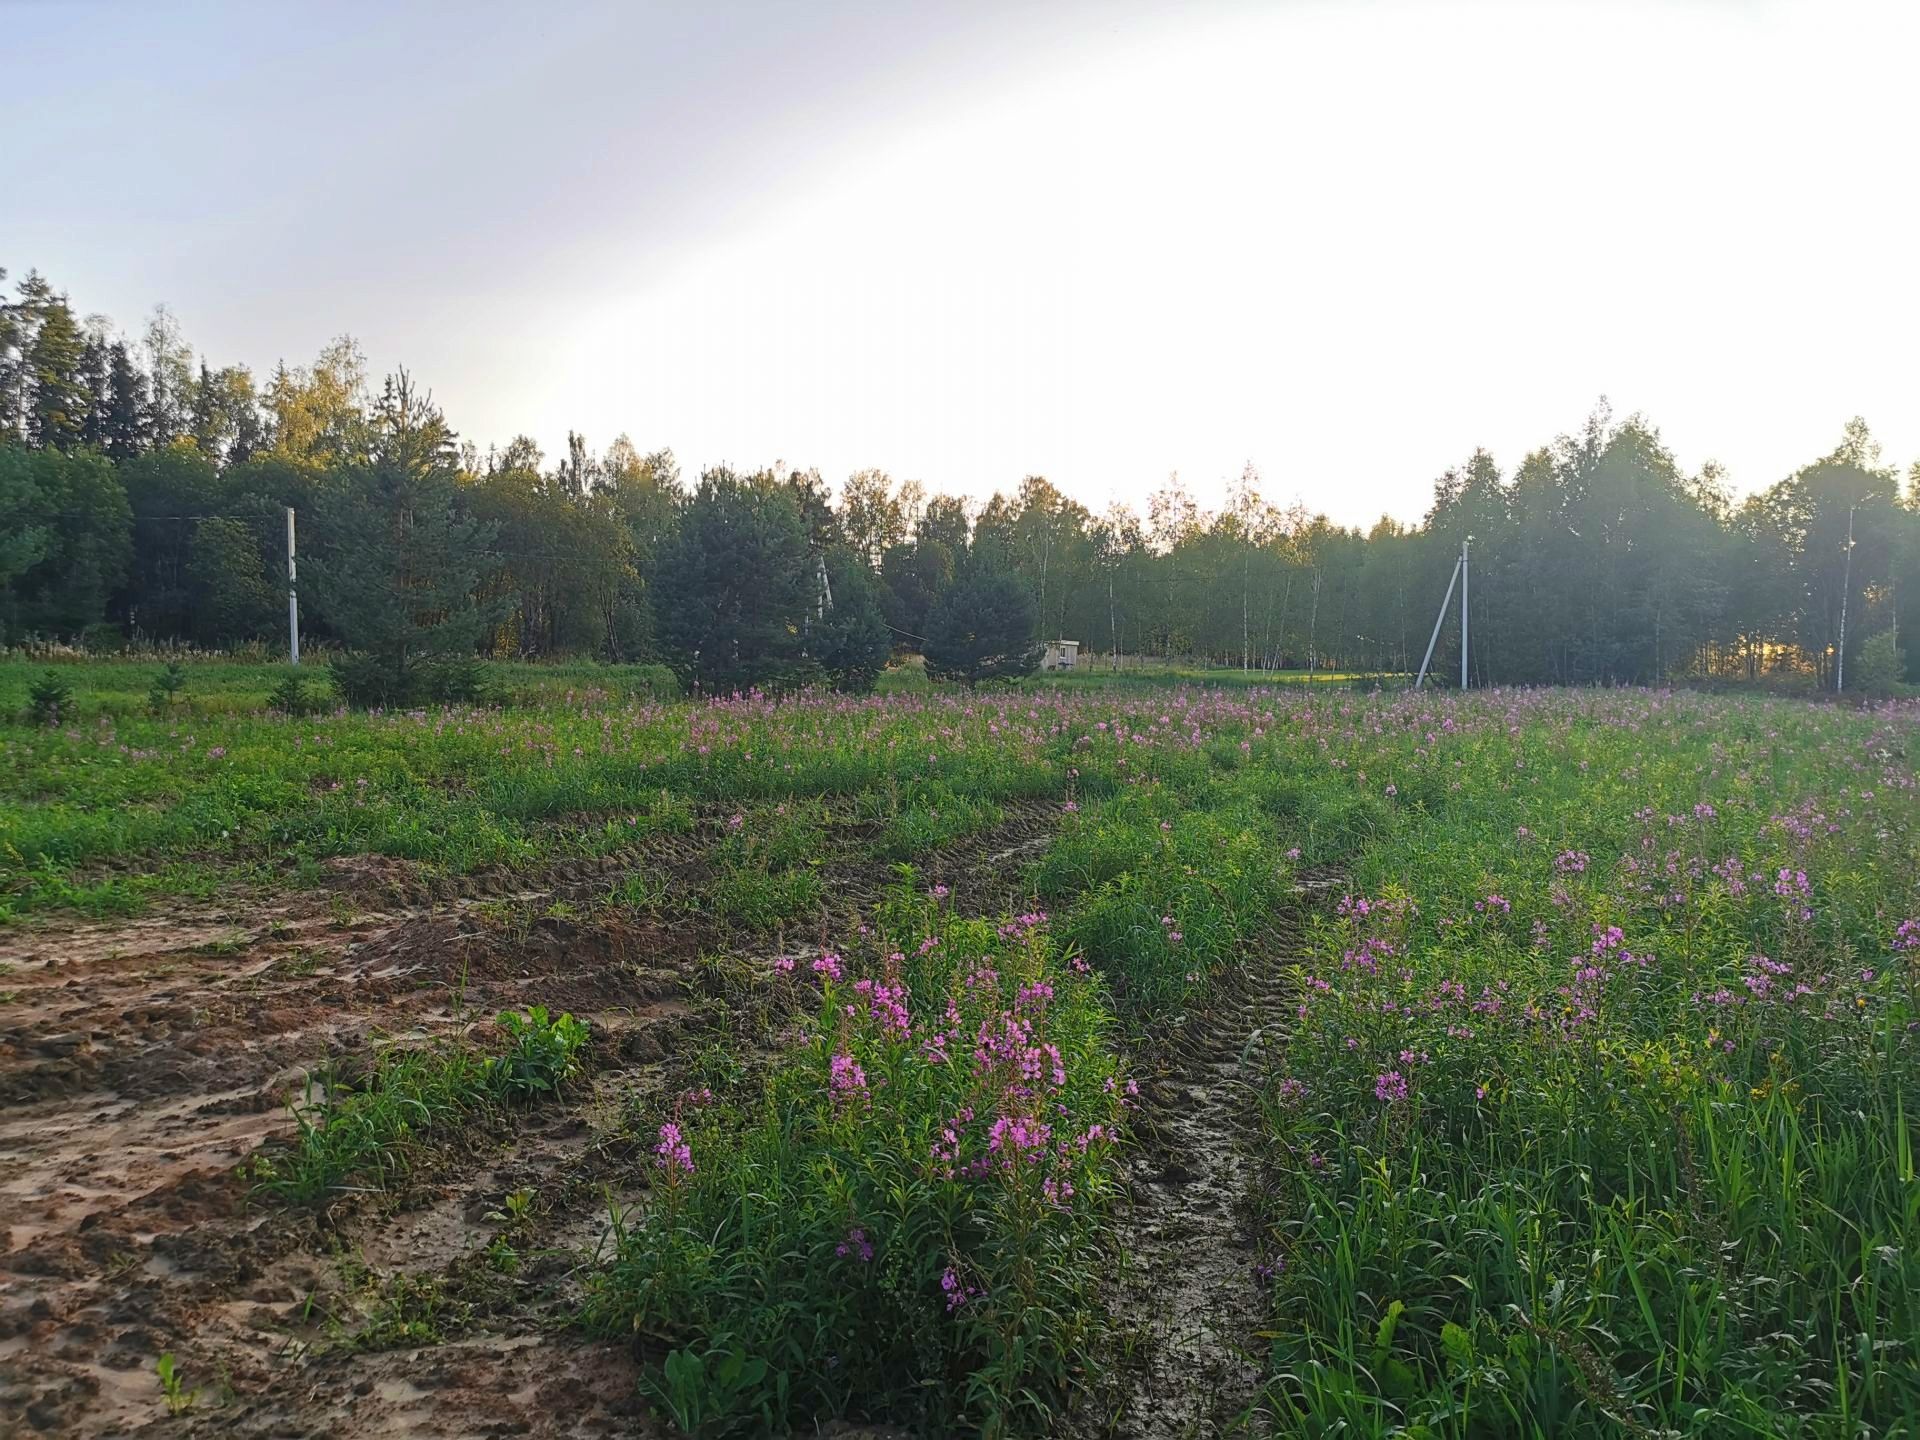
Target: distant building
x: 1061, y: 655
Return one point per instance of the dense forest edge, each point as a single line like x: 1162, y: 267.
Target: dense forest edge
x: 144, y: 499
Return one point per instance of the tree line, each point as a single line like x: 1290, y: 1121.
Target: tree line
x: 143, y: 495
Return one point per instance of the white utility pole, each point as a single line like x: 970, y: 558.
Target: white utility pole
x: 293, y: 597
x: 1846, y: 587
x: 1463, y: 610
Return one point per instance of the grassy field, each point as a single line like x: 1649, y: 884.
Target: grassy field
x: 1521, y: 1063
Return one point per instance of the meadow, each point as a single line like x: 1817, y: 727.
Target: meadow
x: 1129, y: 1057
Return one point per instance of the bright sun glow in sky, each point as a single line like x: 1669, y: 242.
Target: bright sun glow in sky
x: 1347, y: 242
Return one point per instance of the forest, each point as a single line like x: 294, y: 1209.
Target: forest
x: 144, y: 491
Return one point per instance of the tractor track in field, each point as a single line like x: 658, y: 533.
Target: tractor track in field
x: 1190, y: 1299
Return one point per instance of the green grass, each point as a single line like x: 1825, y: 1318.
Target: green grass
x: 221, y: 685
x: 362, y: 1134
x: 1557, y: 1145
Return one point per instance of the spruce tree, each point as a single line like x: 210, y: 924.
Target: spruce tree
x: 58, y: 403
x: 125, y: 429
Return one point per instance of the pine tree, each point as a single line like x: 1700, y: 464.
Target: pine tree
x: 736, y: 583
x: 398, y: 566
x: 982, y: 629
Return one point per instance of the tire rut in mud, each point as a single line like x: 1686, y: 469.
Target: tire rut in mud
x: 1188, y: 1298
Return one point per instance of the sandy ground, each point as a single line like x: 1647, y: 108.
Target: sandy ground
x: 144, y: 1063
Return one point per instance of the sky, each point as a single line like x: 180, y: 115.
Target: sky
x: 1345, y: 242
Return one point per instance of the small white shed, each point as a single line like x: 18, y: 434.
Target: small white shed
x: 1061, y: 655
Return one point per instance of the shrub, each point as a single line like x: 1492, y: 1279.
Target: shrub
x: 49, y: 699
x: 543, y: 1056
x: 290, y: 697
x: 368, y: 681
x: 1880, y: 666
x: 166, y: 688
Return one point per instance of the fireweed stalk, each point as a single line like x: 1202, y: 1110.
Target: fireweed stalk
x: 911, y: 1224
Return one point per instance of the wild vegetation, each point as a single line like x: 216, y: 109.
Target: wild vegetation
x: 143, y: 501
x: 1574, y: 1082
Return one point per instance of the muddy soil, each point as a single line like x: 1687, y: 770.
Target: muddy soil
x: 143, y: 1065
x: 1192, y: 1298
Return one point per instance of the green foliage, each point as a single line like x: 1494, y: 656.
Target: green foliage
x: 399, y: 577
x: 741, y: 576
x: 363, y: 1130
x: 173, y: 1386
x: 66, y: 540
x: 50, y: 700
x: 852, y: 641
x: 234, y: 601
x: 542, y: 1056
x: 1881, y: 666
x: 291, y: 697
x: 890, y: 1233
x: 166, y: 688
x: 982, y: 629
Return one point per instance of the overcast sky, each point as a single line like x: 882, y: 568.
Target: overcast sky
x: 1102, y: 242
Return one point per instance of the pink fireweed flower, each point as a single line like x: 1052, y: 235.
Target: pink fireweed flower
x: 845, y: 1078
x: 1390, y: 1087
x: 828, y: 965
x: 857, y: 1245
x: 886, y: 1004
x: 957, y: 1291
x: 672, y: 1153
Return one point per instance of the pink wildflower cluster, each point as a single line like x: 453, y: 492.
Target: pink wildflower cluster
x: 672, y: 1154
x: 846, y: 1079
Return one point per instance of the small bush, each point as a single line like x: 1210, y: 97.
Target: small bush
x: 453, y: 680
x: 369, y: 681
x: 291, y: 697
x: 543, y: 1057
x: 166, y: 688
x: 49, y: 700
x: 1880, y: 665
